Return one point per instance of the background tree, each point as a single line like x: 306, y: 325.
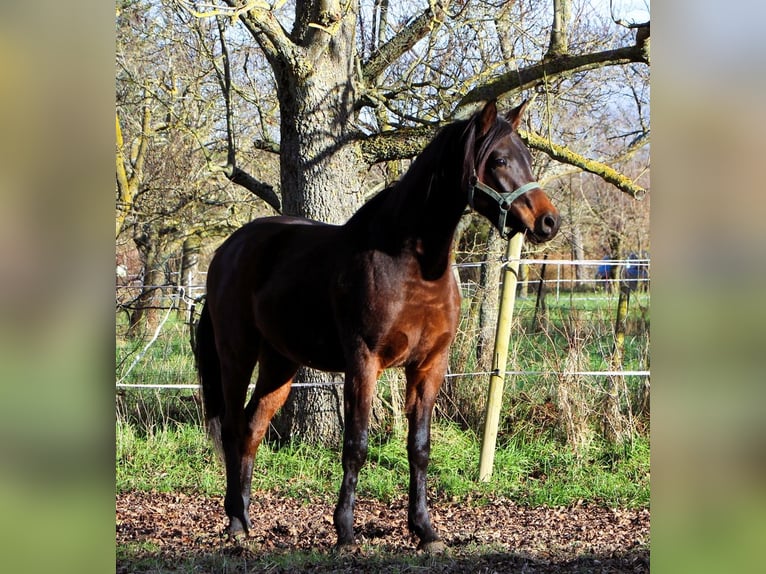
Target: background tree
x: 171, y: 173
x: 335, y: 90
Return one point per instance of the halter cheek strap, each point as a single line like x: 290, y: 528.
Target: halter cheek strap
x: 504, y: 200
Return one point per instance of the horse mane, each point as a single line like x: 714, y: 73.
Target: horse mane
x: 415, y: 185
x: 395, y: 207
x: 458, y: 138
x: 393, y: 212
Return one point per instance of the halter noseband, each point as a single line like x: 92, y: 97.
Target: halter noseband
x: 503, y: 200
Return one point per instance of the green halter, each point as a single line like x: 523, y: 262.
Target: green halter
x: 503, y: 200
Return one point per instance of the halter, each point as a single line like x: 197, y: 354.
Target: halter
x: 503, y: 200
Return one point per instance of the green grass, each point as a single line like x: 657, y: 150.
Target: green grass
x: 176, y: 458
x: 537, y: 472
x: 160, y: 444
x: 584, y: 320
x: 169, y: 361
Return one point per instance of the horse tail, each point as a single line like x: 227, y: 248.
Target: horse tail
x: 209, y: 370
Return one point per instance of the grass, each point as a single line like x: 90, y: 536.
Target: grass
x: 538, y: 472
x: 160, y: 444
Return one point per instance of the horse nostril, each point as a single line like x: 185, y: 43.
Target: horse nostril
x: 549, y: 224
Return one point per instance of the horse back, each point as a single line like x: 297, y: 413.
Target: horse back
x: 317, y: 295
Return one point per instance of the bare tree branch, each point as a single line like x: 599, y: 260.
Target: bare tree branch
x: 559, y: 44
x: 266, y: 30
x: 405, y: 39
x: 232, y: 172
x: 127, y: 185
x: 397, y: 144
x: 265, y: 145
x: 565, y: 155
x: 530, y: 76
x: 258, y: 188
x: 408, y: 142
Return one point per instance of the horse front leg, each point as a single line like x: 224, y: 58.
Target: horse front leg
x: 357, y: 402
x: 422, y: 387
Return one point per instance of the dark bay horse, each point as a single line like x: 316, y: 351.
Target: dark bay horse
x: 358, y: 298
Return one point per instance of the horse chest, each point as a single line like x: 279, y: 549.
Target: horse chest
x: 421, y: 322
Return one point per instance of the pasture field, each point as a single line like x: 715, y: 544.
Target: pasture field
x: 166, y: 467
x: 161, y: 445
x: 574, y: 332
x: 535, y: 472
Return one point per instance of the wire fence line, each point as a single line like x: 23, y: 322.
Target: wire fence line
x: 626, y: 373
x: 192, y: 293
x: 560, y: 281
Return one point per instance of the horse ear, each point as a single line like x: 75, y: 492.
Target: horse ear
x: 487, y: 117
x: 514, y: 116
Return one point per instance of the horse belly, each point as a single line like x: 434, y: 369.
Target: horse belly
x: 299, y: 327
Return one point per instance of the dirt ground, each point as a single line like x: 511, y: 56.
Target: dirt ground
x: 178, y: 532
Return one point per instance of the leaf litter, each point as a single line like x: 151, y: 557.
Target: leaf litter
x: 179, y: 532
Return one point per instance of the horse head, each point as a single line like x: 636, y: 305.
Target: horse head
x: 497, y: 174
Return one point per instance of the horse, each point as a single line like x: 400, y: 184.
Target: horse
x: 358, y: 298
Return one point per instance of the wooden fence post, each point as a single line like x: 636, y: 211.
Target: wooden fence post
x: 500, y: 357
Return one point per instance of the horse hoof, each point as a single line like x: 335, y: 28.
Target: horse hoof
x: 432, y: 547
x: 237, y: 530
x: 346, y: 549
x: 236, y: 537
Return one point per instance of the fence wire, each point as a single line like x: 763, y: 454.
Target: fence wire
x: 579, y: 284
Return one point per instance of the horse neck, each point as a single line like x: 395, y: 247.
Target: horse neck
x: 426, y: 206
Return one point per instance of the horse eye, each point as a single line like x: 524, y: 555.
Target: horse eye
x: 501, y: 161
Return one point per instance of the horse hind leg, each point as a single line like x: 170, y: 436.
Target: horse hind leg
x: 236, y: 370
x: 275, y: 375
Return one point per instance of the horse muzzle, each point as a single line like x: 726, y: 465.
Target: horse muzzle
x: 498, y: 206
x: 546, y: 226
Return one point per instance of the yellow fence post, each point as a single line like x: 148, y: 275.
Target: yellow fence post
x: 500, y: 357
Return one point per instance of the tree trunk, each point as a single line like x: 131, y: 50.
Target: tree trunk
x: 616, y: 427
x: 312, y: 414
x: 145, y: 316
x: 319, y: 170
x: 319, y: 165
x: 559, y: 44
x: 578, y: 252
x: 188, y: 276
x: 489, y: 284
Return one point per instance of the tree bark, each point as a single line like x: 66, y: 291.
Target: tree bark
x: 559, y: 44
x: 489, y: 285
x: 578, y: 249
x: 319, y: 163
x: 190, y: 252
x: 145, y: 316
x: 130, y: 173
x: 312, y: 414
